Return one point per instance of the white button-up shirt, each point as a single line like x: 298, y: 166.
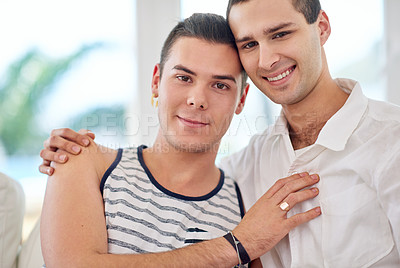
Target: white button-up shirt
x: 357, y: 155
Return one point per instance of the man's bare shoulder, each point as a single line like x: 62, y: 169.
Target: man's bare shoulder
x: 93, y: 159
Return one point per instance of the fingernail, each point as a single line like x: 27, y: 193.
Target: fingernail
x: 303, y: 174
x: 76, y: 149
x: 62, y: 157
x: 85, y: 141
x: 318, y: 210
x: 315, y: 190
x: 49, y: 171
x: 314, y: 177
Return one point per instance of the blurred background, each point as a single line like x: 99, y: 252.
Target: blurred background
x: 88, y: 64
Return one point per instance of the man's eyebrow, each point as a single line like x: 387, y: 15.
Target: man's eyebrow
x: 266, y: 31
x: 183, y: 68
x: 224, y: 77
x: 278, y: 27
x: 219, y: 77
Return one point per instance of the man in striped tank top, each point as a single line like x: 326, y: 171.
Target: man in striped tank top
x: 168, y: 204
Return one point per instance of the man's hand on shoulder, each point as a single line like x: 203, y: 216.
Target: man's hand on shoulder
x: 61, y: 141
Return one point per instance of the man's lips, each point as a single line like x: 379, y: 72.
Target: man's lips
x: 281, y: 75
x: 192, y: 122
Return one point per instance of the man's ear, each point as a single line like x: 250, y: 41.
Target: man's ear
x: 242, y: 100
x: 155, y: 82
x: 324, y: 27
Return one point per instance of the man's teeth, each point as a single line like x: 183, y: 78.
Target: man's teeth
x: 279, y: 77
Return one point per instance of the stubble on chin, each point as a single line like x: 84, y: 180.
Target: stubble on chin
x: 192, y: 147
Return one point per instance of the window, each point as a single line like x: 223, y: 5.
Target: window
x: 41, y: 36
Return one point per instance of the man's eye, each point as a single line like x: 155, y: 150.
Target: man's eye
x: 221, y: 86
x: 280, y: 35
x: 184, y: 78
x: 250, y: 45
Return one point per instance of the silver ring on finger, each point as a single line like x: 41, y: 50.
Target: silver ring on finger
x: 284, y: 206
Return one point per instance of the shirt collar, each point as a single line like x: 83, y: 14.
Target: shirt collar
x: 336, y: 132
x: 338, y: 129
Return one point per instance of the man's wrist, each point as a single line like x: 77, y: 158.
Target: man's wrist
x: 243, y: 256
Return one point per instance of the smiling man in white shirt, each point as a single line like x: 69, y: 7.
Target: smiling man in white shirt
x: 327, y: 127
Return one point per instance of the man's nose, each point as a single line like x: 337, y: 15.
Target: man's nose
x: 197, y: 97
x: 267, y: 57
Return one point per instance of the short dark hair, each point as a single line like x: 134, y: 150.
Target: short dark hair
x: 309, y: 8
x: 209, y: 27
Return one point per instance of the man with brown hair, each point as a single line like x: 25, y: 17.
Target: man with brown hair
x: 152, y: 205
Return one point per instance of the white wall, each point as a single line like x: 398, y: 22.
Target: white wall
x: 154, y: 20
x: 392, y: 40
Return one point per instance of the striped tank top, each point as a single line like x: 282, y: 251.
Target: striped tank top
x: 143, y: 217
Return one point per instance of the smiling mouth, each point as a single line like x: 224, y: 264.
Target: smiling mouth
x: 280, y: 76
x: 192, y: 122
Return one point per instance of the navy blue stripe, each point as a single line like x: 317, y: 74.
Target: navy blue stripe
x: 133, y: 158
x: 239, y: 195
x: 110, y: 169
x: 193, y: 241
x: 131, y: 168
x: 233, y: 211
x: 229, y: 199
x: 196, y: 230
x: 131, y: 177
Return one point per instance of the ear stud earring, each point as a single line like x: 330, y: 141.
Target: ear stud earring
x: 152, y: 100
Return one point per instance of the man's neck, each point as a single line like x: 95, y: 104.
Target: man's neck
x: 185, y: 173
x: 307, y: 118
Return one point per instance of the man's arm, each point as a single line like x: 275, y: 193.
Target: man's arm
x: 73, y: 229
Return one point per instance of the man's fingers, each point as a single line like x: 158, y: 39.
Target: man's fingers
x: 294, y: 186
x: 282, y: 182
x: 46, y: 145
x: 297, y: 197
x: 46, y: 170
x: 71, y: 135
x: 304, y: 217
x: 48, y: 156
x: 60, y: 142
x: 87, y: 133
x: 56, y: 142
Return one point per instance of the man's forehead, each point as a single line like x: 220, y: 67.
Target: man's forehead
x: 199, y: 42
x: 262, y: 5
x: 268, y: 14
x: 191, y: 46
x: 197, y: 56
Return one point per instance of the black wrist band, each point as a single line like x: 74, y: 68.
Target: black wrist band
x: 241, y: 251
